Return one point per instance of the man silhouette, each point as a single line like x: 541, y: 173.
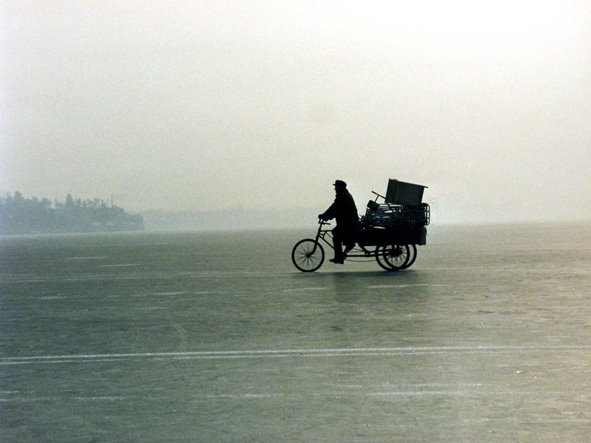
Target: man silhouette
x: 345, y: 212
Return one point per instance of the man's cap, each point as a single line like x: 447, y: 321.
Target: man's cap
x: 340, y: 183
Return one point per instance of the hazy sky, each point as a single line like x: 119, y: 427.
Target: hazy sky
x: 211, y: 104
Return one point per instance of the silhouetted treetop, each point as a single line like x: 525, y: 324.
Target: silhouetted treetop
x: 20, y: 215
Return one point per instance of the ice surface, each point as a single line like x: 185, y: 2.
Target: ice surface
x: 217, y: 337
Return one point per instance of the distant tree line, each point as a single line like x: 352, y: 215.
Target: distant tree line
x: 20, y: 215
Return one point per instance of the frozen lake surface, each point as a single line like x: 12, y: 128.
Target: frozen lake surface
x: 217, y: 337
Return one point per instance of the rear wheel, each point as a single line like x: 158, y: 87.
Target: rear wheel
x: 380, y: 259
x: 307, y: 255
x: 393, y: 257
x: 413, y: 256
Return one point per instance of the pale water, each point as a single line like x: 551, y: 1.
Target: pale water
x: 217, y: 337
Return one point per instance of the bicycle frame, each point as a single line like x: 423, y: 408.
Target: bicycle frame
x: 325, y: 234
x: 308, y: 254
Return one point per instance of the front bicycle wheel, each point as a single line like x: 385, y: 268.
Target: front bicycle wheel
x: 395, y: 257
x: 307, y: 255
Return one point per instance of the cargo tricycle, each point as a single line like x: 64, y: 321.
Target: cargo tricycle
x: 389, y: 232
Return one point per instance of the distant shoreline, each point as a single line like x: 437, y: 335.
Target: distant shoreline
x: 310, y: 228
x: 20, y: 215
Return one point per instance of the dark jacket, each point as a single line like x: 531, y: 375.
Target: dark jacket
x: 344, y: 210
